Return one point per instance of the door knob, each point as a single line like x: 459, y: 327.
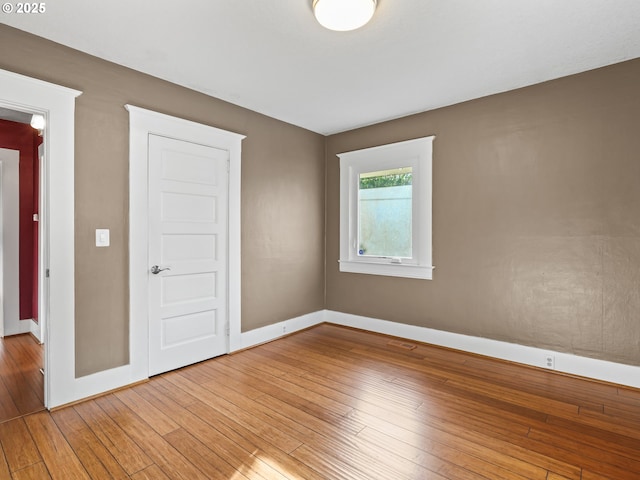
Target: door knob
x: 156, y: 269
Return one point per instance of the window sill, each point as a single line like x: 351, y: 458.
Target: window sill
x: 387, y: 269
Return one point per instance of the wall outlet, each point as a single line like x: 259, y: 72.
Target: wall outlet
x: 550, y: 361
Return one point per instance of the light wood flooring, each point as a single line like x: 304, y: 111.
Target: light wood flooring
x: 336, y: 403
x: 21, y: 383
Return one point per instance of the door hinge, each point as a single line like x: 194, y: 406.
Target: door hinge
x: 46, y: 273
x: 226, y: 330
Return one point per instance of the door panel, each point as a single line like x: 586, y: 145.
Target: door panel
x: 188, y: 231
x: 200, y: 248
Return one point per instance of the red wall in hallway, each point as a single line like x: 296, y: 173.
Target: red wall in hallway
x: 18, y: 136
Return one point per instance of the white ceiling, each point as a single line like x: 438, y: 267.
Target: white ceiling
x: 415, y: 55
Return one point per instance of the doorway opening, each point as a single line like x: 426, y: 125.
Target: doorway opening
x: 23, y: 308
x: 57, y: 104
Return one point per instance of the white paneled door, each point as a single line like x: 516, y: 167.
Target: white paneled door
x: 188, y: 232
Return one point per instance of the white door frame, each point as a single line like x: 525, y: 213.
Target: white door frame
x: 57, y: 104
x: 43, y: 253
x: 9, y: 241
x: 143, y: 122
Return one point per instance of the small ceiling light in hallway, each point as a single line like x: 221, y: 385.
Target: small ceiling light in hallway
x: 37, y: 121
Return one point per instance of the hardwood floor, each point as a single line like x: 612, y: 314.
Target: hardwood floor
x: 335, y: 403
x: 21, y: 383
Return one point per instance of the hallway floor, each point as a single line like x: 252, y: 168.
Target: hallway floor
x: 21, y: 382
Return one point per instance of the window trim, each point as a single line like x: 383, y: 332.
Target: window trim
x: 416, y: 153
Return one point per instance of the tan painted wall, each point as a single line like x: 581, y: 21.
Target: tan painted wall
x: 282, y: 195
x: 536, y: 209
x: 536, y: 218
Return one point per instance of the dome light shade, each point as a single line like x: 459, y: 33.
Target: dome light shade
x: 37, y: 121
x: 343, y: 15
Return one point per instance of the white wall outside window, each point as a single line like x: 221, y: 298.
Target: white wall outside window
x: 416, y: 154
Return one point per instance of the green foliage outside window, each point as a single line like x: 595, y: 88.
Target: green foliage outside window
x: 393, y: 180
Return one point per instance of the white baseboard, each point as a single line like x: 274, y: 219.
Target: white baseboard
x: 612, y: 372
x: 17, y: 327
x: 583, y: 366
x: 280, y: 329
x: 125, y: 375
x: 36, y: 331
x: 95, y: 384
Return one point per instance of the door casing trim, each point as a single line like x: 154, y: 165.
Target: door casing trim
x: 57, y: 104
x: 143, y: 122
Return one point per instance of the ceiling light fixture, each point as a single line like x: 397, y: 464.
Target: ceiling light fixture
x: 37, y: 121
x: 343, y: 15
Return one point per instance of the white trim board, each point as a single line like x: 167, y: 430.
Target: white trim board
x: 35, y: 328
x: 612, y: 372
x: 617, y: 373
x: 268, y: 333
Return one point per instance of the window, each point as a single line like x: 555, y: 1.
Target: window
x: 385, y: 210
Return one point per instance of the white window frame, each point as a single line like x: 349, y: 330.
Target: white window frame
x: 415, y: 153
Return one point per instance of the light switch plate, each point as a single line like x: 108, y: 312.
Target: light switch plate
x: 102, y: 237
